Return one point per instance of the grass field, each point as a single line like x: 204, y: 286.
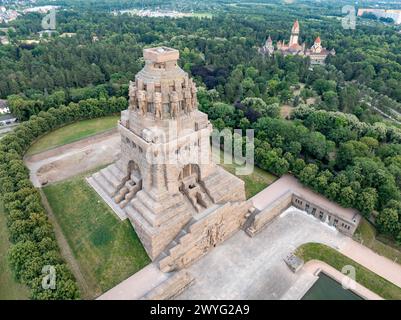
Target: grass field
x: 73, y: 132
x: 9, y: 288
x: 106, y: 248
x: 366, y: 234
x: 365, y: 277
x: 254, y: 182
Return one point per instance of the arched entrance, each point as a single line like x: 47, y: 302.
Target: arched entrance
x: 133, y: 169
x: 131, y: 185
x: 189, y: 172
x: 188, y: 181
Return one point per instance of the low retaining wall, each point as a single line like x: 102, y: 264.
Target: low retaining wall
x: 171, y: 288
x: 262, y: 218
x: 345, y: 226
x: 288, y: 191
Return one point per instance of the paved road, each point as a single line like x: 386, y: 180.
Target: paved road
x: 378, y: 264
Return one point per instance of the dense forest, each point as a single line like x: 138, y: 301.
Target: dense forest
x: 370, y: 54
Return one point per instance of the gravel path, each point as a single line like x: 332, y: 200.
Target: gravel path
x: 72, y: 159
x: 380, y: 265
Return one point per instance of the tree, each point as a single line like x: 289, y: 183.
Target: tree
x: 346, y: 197
x: 330, y: 99
x: 387, y: 221
x: 333, y: 191
x: 308, y: 174
x: 366, y: 201
x: 350, y: 150
x: 315, y: 144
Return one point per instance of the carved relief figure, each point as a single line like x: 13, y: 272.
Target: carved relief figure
x: 157, y: 100
x: 142, y: 103
x: 213, y: 236
x: 174, y: 104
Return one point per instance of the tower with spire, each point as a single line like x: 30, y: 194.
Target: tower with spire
x: 294, y: 34
x: 317, y: 46
x: 268, y: 48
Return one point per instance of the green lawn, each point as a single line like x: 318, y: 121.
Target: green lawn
x: 366, y: 234
x: 9, y: 288
x: 255, y: 182
x: 73, y: 132
x: 107, y: 249
x: 365, y: 277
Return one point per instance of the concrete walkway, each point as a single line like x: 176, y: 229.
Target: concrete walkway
x: 136, y: 286
x: 378, y: 264
x: 254, y: 268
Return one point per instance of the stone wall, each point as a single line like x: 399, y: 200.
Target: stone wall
x: 170, y: 288
x: 331, y: 218
x: 203, y: 233
x: 263, y: 218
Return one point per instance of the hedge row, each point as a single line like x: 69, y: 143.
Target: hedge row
x: 33, y: 241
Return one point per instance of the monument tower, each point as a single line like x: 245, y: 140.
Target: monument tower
x: 178, y: 201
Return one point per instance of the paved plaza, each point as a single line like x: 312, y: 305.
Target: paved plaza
x: 253, y: 268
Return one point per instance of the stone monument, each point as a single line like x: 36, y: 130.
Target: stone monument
x: 179, y: 202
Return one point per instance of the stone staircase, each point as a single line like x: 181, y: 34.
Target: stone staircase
x: 111, y: 179
x: 137, y: 208
x: 222, y: 186
x: 117, y: 185
x: 185, y: 247
x: 160, y: 260
x: 128, y: 191
x: 158, y: 224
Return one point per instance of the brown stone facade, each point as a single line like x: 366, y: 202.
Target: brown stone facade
x: 179, y: 202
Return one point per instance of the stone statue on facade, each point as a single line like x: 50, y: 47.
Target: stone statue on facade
x: 174, y: 104
x: 142, y: 102
x: 157, y: 100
